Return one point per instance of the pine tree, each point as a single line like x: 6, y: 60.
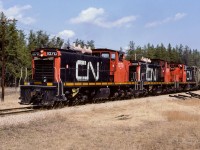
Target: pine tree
x: 32, y: 41
x: 42, y: 39
x: 55, y: 42
x: 150, y: 51
x: 91, y: 44
x: 131, y: 51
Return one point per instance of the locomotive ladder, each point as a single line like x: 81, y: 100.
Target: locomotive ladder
x: 58, y: 91
x: 139, y: 85
x: 176, y: 83
x: 60, y: 83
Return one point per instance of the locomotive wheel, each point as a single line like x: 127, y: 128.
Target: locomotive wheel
x: 55, y: 105
x: 75, y: 102
x: 58, y: 104
x: 61, y: 104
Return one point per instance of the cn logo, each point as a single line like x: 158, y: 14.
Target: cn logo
x: 89, y: 66
x: 151, y: 74
x: 189, y: 75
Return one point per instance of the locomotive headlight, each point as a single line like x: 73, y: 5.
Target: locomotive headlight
x: 41, y: 53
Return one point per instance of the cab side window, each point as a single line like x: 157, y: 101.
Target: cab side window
x: 113, y: 56
x: 105, y: 55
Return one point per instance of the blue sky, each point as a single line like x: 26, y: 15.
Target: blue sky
x: 111, y: 23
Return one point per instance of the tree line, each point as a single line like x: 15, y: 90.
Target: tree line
x: 177, y: 54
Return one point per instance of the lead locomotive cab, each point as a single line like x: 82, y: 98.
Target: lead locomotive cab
x: 43, y: 88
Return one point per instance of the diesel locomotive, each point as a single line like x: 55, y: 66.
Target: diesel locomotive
x: 80, y: 75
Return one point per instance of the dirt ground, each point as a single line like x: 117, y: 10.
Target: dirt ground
x: 160, y: 122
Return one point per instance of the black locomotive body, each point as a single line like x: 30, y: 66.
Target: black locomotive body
x: 54, y: 69
x: 83, y: 68
x: 146, y: 72
x: 191, y: 74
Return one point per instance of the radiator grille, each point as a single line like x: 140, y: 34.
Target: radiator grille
x: 44, y: 68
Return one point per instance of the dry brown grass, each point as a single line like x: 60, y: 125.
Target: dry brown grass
x: 188, y: 102
x: 181, y: 116
x: 62, y: 132
x: 11, y: 98
x: 157, y: 123
x: 170, y: 135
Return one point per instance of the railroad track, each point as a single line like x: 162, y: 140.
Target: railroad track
x: 184, y: 97
x: 19, y: 110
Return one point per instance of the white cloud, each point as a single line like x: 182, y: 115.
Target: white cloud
x: 176, y: 17
x: 17, y: 12
x: 88, y: 15
x: 179, y: 16
x: 118, y: 23
x: 96, y: 16
x: 65, y: 34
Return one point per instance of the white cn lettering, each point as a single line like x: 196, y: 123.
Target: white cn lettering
x: 89, y: 66
x: 150, y: 74
x: 80, y: 78
x: 189, y: 75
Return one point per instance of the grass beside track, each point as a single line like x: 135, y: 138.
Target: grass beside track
x: 159, y: 122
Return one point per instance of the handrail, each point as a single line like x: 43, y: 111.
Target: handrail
x: 61, y: 81
x: 26, y: 70
x: 57, y: 81
x: 21, y: 76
